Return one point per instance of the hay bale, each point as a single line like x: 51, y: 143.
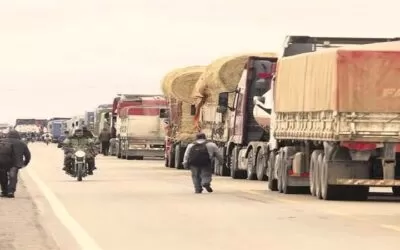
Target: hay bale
x: 185, y: 130
x: 223, y: 75
x: 179, y: 83
x: 167, y: 79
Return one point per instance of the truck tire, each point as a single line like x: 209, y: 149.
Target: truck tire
x: 178, y: 160
x: 318, y: 174
x: 118, y: 150
x: 251, y: 168
x: 272, y: 182
x: 225, y: 170
x: 396, y: 191
x: 216, y: 167
x: 284, y: 177
x: 235, y: 172
x: 171, y: 157
x: 261, y: 165
x: 328, y: 192
x: 278, y: 169
x: 313, y: 166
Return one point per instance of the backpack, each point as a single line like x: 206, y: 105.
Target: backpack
x: 199, y: 156
x: 6, y: 154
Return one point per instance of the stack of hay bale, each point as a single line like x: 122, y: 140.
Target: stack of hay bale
x: 178, y: 87
x: 222, y: 75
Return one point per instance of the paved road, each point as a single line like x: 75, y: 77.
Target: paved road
x: 143, y: 205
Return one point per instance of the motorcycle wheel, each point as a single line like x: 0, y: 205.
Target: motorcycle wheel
x: 79, y: 172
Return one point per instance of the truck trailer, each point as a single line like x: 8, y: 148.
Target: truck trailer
x: 324, y: 121
x: 141, y: 132
x: 56, y: 127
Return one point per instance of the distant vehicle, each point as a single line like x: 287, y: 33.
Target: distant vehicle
x: 141, y: 126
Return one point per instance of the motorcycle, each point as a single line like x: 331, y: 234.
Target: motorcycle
x: 80, y: 165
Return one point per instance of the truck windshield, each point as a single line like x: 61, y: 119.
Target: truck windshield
x: 295, y: 45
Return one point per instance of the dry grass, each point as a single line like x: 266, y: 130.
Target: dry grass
x: 222, y: 75
x: 179, y: 83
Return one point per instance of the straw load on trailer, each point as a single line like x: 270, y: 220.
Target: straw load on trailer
x: 178, y: 86
x: 222, y: 75
x: 347, y: 93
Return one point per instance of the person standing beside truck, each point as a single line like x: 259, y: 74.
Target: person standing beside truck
x: 198, y: 157
x: 104, y: 138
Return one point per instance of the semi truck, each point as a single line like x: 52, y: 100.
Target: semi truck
x: 180, y: 131
x: 178, y: 86
x: 27, y: 126
x: 301, y: 133
x: 55, y: 127
x: 141, y: 130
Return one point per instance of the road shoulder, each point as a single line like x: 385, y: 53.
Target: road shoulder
x: 49, y: 222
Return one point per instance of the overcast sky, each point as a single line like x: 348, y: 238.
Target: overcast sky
x: 60, y: 58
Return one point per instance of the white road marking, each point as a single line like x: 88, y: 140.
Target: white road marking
x: 80, y: 235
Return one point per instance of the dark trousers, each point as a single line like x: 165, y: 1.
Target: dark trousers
x: 201, y: 176
x: 9, y: 180
x: 105, y: 146
x: 4, y: 181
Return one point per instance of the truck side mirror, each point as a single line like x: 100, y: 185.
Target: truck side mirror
x: 192, y: 109
x: 223, y: 99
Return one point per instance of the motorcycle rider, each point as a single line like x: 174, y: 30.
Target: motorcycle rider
x: 78, y: 140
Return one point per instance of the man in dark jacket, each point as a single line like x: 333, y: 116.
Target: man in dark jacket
x: 198, y: 157
x: 104, y: 138
x: 22, y: 157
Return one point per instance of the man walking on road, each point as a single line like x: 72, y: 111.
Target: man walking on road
x: 104, y: 138
x: 20, y: 156
x: 198, y: 157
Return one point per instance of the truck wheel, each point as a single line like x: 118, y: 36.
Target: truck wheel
x: 171, y: 157
x: 225, y: 170
x: 313, y: 166
x: 261, y: 166
x: 251, y: 168
x: 328, y: 192
x: 178, y: 163
x: 272, y: 182
x: 216, y: 167
x: 285, y: 188
x: 396, y: 191
x: 278, y: 164
x: 235, y: 173
x: 317, y: 176
x: 118, y: 151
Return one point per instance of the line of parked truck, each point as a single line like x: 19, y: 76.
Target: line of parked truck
x: 324, y: 116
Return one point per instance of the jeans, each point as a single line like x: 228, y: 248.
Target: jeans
x: 9, y: 180
x: 105, y: 146
x: 201, y: 176
x: 13, y: 179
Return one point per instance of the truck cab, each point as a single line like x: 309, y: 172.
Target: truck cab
x: 243, y: 128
